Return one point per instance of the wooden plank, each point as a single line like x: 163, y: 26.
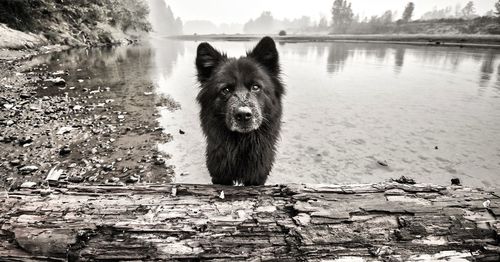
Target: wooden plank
x: 374, y: 222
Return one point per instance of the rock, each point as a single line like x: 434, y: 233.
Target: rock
x: 455, y: 181
x: 185, y: 174
x: 436, y: 147
x: 25, y: 140
x: 77, y: 107
x: 159, y: 161
x: 58, y: 81
x: 121, y: 116
x: 107, y: 168
x: 132, y: 179
x: 64, y: 130
x: 15, y: 162
x: 181, y: 132
x: 8, y: 106
x: 114, y: 179
x: 382, y: 162
x: 65, y: 150
x: 28, y: 169
x: 80, y: 80
x: 76, y: 179
x: 404, y: 180
x: 9, y: 122
x: 24, y: 95
x: 148, y: 93
x: 58, y: 73
x: 28, y: 185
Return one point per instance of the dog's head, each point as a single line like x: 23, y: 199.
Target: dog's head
x: 243, y: 92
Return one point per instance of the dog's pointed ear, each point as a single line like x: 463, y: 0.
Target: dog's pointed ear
x: 266, y: 54
x: 207, y: 59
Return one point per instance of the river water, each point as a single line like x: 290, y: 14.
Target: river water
x: 426, y: 112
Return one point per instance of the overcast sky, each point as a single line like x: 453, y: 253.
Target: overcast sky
x: 240, y: 11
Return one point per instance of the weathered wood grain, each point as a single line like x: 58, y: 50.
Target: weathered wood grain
x: 375, y: 222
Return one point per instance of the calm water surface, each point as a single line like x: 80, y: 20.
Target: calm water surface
x: 430, y: 113
x: 349, y: 106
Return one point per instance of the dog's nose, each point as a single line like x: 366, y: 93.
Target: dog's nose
x: 243, y: 114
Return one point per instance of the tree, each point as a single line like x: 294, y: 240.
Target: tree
x: 469, y: 10
x: 264, y: 24
x: 341, y: 16
x: 163, y: 19
x: 497, y: 8
x: 323, y: 23
x: 408, y: 13
x: 386, y: 18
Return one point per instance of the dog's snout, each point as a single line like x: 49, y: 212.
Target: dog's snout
x: 243, y: 114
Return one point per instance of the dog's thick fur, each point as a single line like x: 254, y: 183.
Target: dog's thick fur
x: 241, y: 109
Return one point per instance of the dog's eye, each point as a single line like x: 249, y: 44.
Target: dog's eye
x: 256, y: 87
x: 225, y: 91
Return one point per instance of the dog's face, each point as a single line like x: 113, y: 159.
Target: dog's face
x: 239, y: 92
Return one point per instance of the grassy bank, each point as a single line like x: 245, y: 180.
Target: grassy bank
x: 421, y: 39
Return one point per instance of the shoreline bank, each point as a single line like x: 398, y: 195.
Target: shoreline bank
x: 477, y: 41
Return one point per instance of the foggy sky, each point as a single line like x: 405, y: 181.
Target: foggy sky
x: 240, y: 11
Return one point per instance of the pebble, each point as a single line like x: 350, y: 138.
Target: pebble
x: 58, y: 81
x: 132, y: 179
x: 107, y: 168
x: 9, y: 122
x: 28, y: 169
x: 25, y: 140
x: 159, y: 161
x: 8, y: 106
x: 15, y: 162
x: 28, y: 185
x: 24, y: 95
x: 455, y: 181
x: 382, y: 163
x: 65, y: 150
x: 76, y: 179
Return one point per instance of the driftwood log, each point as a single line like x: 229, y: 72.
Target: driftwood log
x: 380, y: 222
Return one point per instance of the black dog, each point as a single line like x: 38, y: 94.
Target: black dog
x: 240, y: 112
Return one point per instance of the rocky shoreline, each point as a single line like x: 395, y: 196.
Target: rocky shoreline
x: 52, y: 134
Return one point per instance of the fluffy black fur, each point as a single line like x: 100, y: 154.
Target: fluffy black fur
x: 240, y: 148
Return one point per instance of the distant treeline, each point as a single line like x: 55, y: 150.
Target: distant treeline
x: 450, y: 19
x: 446, y: 20
x: 76, y: 21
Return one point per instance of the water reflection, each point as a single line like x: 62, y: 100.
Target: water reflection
x: 487, y: 69
x: 166, y: 54
x: 399, y: 59
x: 337, y: 57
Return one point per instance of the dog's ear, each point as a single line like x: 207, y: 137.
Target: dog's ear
x: 267, y: 55
x: 207, y: 59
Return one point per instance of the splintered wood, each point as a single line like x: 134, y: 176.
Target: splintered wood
x: 375, y: 222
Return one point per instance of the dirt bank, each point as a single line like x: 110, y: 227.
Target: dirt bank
x: 52, y: 123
